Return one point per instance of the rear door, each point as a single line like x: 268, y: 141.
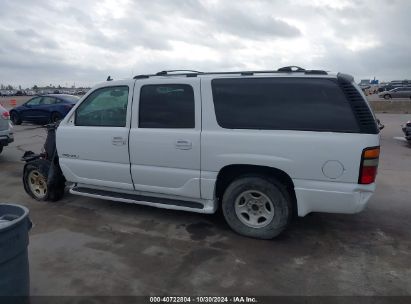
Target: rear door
x: 43, y: 110
x: 165, y: 137
x: 92, y: 142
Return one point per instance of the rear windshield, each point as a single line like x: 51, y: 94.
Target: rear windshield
x: 308, y: 104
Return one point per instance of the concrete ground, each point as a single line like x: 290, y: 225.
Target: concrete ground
x: 82, y: 246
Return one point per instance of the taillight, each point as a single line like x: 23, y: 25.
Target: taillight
x: 369, y: 165
x: 5, y: 115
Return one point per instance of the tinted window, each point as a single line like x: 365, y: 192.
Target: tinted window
x: 48, y: 101
x: 166, y: 106
x: 104, y: 107
x: 282, y: 104
x: 34, y: 102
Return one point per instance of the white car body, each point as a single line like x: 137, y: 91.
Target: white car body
x: 6, y: 129
x: 158, y: 166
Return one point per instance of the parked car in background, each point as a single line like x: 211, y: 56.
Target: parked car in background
x: 30, y: 93
x: 6, y: 134
x: 406, y: 128
x: 44, y: 108
x: 403, y: 92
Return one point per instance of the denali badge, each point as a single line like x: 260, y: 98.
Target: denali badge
x: 70, y: 155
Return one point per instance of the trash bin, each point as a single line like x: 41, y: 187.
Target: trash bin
x: 14, y: 265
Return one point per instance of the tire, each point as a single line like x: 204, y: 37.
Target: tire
x: 15, y: 118
x: 35, y: 182
x: 1, y: 149
x: 257, y: 206
x: 55, y: 117
x: 387, y: 96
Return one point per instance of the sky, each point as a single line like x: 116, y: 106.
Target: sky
x: 81, y: 42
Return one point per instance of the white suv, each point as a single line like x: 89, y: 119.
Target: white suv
x: 262, y: 145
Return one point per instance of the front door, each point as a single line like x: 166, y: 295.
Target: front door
x: 30, y: 111
x: 165, y: 137
x: 92, y: 142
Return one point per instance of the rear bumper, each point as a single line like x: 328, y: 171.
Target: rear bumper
x: 332, y: 197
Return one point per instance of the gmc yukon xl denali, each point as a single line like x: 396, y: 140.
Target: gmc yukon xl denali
x: 261, y: 145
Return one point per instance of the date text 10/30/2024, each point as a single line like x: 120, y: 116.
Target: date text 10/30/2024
x: 199, y: 299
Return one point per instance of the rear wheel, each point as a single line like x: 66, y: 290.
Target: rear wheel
x: 1, y: 148
x: 35, y: 182
x: 55, y: 117
x: 257, y: 206
x: 15, y: 118
x: 387, y: 96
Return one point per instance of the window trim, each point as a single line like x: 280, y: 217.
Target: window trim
x: 167, y: 84
x: 99, y: 89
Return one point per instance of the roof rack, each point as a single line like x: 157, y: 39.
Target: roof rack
x: 192, y: 73
x: 165, y: 73
x: 291, y: 68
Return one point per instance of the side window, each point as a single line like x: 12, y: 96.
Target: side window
x: 282, y: 104
x: 105, y: 107
x: 34, y: 102
x: 167, y: 106
x: 48, y: 100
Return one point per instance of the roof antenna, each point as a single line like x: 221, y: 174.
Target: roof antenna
x: 109, y: 78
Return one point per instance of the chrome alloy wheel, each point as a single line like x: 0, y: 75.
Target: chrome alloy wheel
x: 254, y: 209
x: 38, y: 184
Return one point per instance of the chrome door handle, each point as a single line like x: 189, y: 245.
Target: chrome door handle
x: 118, y: 141
x: 182, y: 144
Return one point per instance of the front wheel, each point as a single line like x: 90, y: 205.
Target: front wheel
x: 258, y: 207
x: 387, y: 96
x: 35, y: 182
x: 1, y: 148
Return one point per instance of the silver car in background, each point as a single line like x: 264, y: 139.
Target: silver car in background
x: 6, y: 134
x: 401, y: 92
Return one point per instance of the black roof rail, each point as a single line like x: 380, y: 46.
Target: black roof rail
x: 315, y: 72
x: 165, y: 73
x: 291, y: 68
x: 141, y: 76
x: 193, y: 73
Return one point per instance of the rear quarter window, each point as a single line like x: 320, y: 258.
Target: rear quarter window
x: 307, y: 104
